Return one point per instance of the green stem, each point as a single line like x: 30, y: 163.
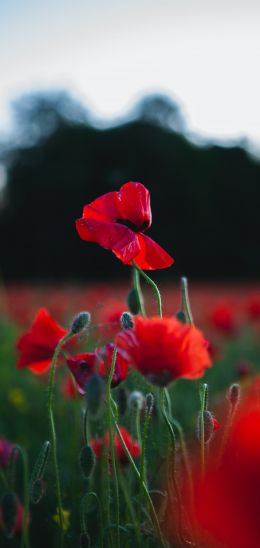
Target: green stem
x: 130, y: 507
x: 83, y: 519
x: 164, y: 395
x: 137, y: 286
x: 25, y: 537
x: 203, y: 407
x: 53, y: 431
x: 154, y: 517
x: 112, y: 446
x: 154, y: 287
x: 3, y: 478
x: 185, y: 302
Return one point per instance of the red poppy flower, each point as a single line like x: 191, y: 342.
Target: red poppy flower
x: 117, y: 221
x: 223, y: 318
x: 82, y: 366
x: 164, y: 349
x: 37, y: 346
x: 133, y: 447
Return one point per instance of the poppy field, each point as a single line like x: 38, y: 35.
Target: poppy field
x: 130, y: 413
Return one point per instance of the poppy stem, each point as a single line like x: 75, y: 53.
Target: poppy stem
x: 112, y: 447
x: 185, y: 301
x: 164, y: 396
x: 154, y: 517
x: 137, y: 286
x: 25, y: 539
x: 203, y: 408
x: 83, y: 518
x: 125, y: 489
x: 154, y: 287
x: 53, y: 431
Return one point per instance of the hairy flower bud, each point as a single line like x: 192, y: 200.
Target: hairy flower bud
x: 233, y: 394
x: 80, y: 322
x: 149, y: 403
x: 136, y: 400
x: 127, y: 321
x: 133, y: 301
x: 208, y: 422
x: 87, y: 461
x: 95, y: 393
x: 37, y: 491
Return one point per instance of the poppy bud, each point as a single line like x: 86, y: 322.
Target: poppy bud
x: 84, y: 540
x: 37, y: 491
x: 149, y: 403
x: 41, y: 462
x: 133, y: 301
x: 127, y: 321
x: 87, y: 461
x: 136, y: 400
x: 208, y: 426
x: 233, y: 394
x: 95, y: 393
x: 122, y: 400
x: 181, y: 316
x: 80, y: 322
x: 8, y: 514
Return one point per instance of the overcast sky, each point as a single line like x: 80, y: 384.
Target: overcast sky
x: 203, y: 53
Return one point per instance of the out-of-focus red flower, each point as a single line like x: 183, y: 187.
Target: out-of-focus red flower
x: 36, y: 347
x: 117, y: 221
x: 68, y: 388
x: 98, y: 444
x: 164, y: 349
x: 83, y: 366
x: 226, y: 501
x: 6, y: 449
x: 253, y: 308
x: 216, y: 424
x: 18, y: 518
x: 222, y: 317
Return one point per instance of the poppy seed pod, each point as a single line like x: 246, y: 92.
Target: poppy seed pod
x: 80, y: 322
x: 149, y: 403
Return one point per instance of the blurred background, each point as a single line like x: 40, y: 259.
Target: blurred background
x: 94, y: 94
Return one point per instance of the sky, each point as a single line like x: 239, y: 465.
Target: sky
x: 108, y: 53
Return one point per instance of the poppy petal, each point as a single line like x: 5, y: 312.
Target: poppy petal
x: 104, y: 208
x: 119, y: 238
x: 151, y: 256
x: 134, y: 205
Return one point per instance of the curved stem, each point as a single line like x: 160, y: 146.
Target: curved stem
x: 185, y: 302
x: 112, y: 447
x: 144, y: 487
x: 53, y: 431
x: 154, y: 287
x: 137, y: 286
x: 25, y: 537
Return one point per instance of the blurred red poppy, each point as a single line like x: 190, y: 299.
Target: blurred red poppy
x: 164, y: 349
x: 117, y: 220
x: 222, y: 317
x: 36, y: 347
x: 133, y: 447
x: 226, y: 501
x: 82, y: 366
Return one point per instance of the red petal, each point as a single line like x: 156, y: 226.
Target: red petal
x: 152, y: 256
x: 216, y: 424
x: 134, y: 205
x: 104, y: 208
x: 40, y: 367
x: 119, y: 238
